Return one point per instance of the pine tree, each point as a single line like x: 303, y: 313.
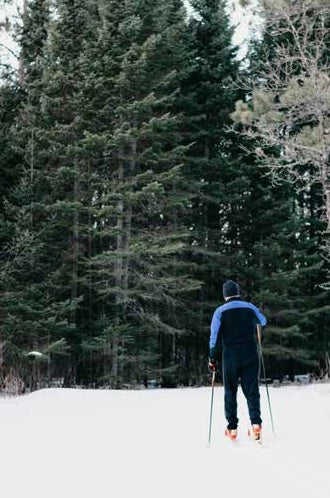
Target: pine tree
x: 124, y: 189
x: 207, y: 98
x: 242, y: 226
x: 291, y: 266
x: 137, y: 272
x: 102, y: 194
x: 46, y: 202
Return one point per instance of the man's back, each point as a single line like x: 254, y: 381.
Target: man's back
x: 235, y: 321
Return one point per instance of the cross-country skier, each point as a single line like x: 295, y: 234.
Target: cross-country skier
x: 235, y: 323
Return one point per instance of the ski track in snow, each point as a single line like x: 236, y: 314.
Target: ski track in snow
x: 153, y: 443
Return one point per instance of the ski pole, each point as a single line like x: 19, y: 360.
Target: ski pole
x: 264, y: 373
x: 211, y: 410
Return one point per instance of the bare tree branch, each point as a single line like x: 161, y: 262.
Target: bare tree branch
x: 289, y: 112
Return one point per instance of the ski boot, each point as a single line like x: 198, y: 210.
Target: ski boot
x: 231, y: 434
x: 255, y: 432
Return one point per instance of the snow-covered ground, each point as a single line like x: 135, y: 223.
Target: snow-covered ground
x: 153, y: 443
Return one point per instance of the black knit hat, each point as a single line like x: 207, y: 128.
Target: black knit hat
x: 230, y: 289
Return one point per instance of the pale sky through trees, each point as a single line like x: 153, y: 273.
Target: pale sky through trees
x: 243, y: 19
x: 240, y: 18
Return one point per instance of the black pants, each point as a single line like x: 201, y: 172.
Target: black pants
x: 241, y: 363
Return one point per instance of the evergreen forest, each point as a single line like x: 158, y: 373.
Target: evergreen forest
x: 142, y: 164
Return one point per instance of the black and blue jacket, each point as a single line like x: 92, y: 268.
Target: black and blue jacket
x: 235, y: 322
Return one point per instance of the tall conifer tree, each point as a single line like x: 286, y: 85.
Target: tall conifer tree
x: 137, y: 273
x: 207, y: 99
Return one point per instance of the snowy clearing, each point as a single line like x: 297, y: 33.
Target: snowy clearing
x: 153, y: 443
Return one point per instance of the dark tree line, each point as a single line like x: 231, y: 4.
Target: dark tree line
x: 127, y: 198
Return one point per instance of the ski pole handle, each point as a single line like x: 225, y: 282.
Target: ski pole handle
x: 259, y: 333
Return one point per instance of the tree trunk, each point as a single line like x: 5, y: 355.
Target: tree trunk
x: 326, y: 190
x: 118, y: 274
x: 21, y: 61
x: 128, y: 215
x: 75, y: 236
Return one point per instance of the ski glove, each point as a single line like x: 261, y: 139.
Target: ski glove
x: 211, y: 365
